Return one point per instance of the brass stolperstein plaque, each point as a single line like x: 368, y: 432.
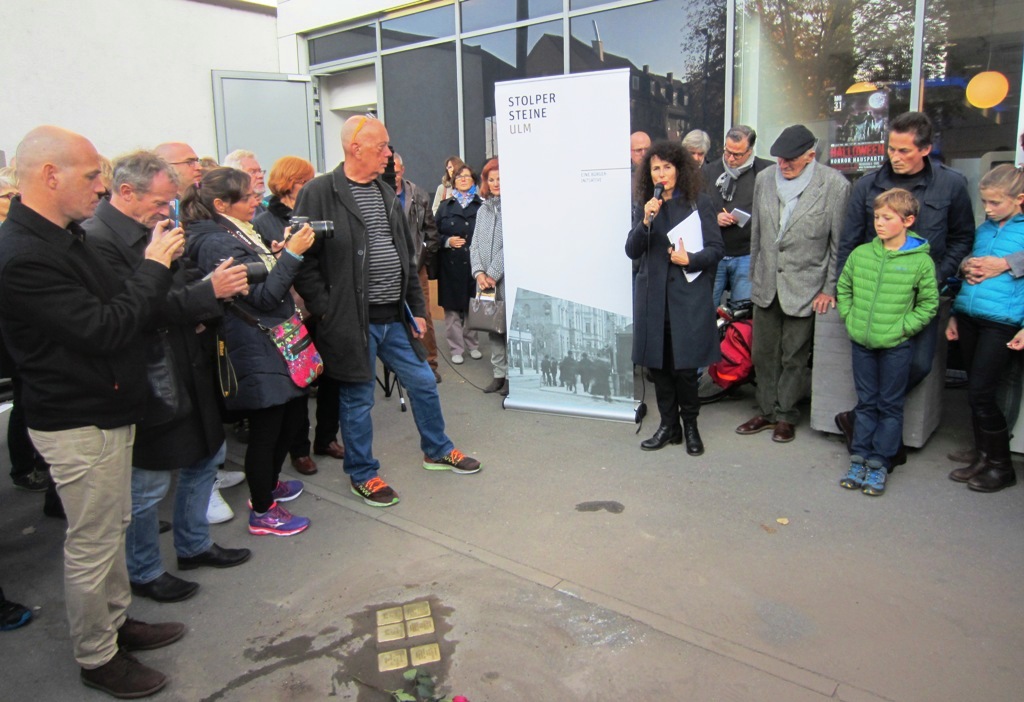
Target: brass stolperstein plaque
x: 391, y: 632
x: 393, y: 660
x: 415, y: 610
x: 419, y: 627
x: 389, y: 616
x: 427, y: 653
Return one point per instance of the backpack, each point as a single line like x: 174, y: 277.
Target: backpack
x: 737, y: 365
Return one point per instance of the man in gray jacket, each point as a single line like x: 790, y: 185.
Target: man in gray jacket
x: 797, y: 219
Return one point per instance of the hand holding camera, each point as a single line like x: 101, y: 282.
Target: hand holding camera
x: 229, y: 280
x: 299, y: 240
x: 166, y: 244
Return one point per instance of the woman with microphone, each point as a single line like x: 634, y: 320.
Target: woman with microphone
x: 674, y: 330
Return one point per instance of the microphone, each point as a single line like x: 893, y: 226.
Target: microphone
x: 658, y: 190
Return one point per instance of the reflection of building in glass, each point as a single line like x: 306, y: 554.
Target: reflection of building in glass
x: 544, y: 327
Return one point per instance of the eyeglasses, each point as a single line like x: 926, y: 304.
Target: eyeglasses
x: 8, y: 196
x: 256, y: 171
x: 362, y: 122
x: 194, y: 161
x: 736, y: 154
x: 464, y: 175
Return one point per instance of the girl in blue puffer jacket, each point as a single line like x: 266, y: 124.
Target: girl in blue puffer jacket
x: 988, y: 314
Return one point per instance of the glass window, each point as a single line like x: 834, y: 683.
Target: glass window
x: 972, y: 74
x: 679, y: 54
x: 526, y: 52
x: 417, y: 27
x: 342, y: 45
x: 419, y: 110
x: 840, y: 68
x: 481, y: 14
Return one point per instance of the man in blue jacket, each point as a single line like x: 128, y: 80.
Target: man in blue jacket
x: 946, y: 220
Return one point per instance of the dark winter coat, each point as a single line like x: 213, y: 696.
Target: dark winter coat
x: 335, y: 270
x: 455, y: 283
x: 122, y: 241
x: 263, y: 379
x: 690, y: 312
x: 72, y: 327
x: 272, y: 223
x: 735, y: 237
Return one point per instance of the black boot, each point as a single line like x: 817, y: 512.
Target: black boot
x: 694, y: 445
x: 664, y: 435
x: 977, y: 464
x: 997, y: 472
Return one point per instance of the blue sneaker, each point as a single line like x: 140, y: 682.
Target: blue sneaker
x: 12, y: 614
x: 277, y: 521
x: 874, y: 482
x: 854, y: 479
x: 287, y: 490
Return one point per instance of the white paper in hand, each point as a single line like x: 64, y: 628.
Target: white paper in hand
x: 689, y: 230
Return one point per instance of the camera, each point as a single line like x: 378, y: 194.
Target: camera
x: 321, y: 227
x: 256, y: 272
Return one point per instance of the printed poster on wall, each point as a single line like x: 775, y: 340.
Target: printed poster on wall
x: 565, y: 188
x: 860, y: 123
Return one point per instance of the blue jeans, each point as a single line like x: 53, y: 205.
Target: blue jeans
x: 880, y: 376
x: 734, y: 273
x: 390, y: 342
x: 191, y: 528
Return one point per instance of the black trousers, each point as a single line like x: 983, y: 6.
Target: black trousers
x: 983, y: 345
x: 675, y: 389
x: 271, y: 432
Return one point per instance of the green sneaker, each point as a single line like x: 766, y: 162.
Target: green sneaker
x: 455, y: 461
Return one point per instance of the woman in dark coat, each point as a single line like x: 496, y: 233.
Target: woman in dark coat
x: 216, y: 216
x: 674, y: 330
x: 456, y: 218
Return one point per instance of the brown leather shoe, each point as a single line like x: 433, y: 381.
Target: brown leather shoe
x: 304, y: 465
x: 333, y: 449
x: 784, y: 433
x: 844, y: 422
x: 758, y: 423
x: 140, y: 636
x: 124, y: 677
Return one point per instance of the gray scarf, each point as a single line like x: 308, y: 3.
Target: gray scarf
x: 789, y: 192
x: 726, y: 182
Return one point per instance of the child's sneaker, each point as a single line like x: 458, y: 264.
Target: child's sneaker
x: 286, y: 490
x: 375, y: 492
x: 455, y: 461
x: 277, y: 521
x: 854, y: 479
x: 874, y: 481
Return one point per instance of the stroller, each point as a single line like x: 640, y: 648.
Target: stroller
x: 735, y: 333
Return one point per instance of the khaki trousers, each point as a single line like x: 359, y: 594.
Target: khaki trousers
x: 92, y: 469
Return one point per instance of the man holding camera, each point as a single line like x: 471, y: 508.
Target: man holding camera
x: 144, y: 184
x: 362, y: 286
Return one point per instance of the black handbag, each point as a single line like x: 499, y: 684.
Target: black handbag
x: 168, y: 399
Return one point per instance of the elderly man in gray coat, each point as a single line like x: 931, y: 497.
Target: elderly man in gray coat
x: 799, y: 206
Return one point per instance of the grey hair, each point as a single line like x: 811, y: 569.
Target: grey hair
x: 697, y: 139
x: 139, y: 168
x: 740, y: 132
x: 235, y: 158
x: 8, y: 177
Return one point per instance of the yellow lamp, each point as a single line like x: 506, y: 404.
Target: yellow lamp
x: 861, y: 87
x: 987, y: 89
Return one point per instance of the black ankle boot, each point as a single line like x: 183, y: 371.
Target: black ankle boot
x: 694, y: 445
x: 997, y: 471
x: 664, y: 435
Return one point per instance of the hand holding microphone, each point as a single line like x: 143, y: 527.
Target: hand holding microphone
x: 653, y: 205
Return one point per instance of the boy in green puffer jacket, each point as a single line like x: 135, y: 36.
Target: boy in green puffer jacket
x: 886, y: 294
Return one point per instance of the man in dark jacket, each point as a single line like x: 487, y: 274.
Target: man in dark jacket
x: 73, y: 329
x: 193, y: 439
x: 361, y: 284
x: 946, y: 220
x: 729, y: 182
x: 416, y: 205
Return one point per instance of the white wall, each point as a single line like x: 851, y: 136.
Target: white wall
x: 299, y: 16
x: 125, y: 73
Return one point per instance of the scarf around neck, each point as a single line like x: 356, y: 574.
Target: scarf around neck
x: 726, y: 182
x: 789, y: 192
x: 464, y: 198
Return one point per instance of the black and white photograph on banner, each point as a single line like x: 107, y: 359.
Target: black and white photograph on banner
x: 570, y: 357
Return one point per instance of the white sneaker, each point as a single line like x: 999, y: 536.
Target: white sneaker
x: 219, y: 511
x: 228, y: 478
x: 475, y: 355
x: 457, y: 359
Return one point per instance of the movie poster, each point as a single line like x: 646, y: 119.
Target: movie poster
x: 860, y: 122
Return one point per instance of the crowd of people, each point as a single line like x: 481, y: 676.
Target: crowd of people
x: 137, y: 308
x: 795, y: 240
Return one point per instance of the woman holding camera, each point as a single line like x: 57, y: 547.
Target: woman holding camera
x: 216, y: 215
x: 674, y: 330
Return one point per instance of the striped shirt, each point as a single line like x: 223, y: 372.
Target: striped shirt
x: 385, y: 280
